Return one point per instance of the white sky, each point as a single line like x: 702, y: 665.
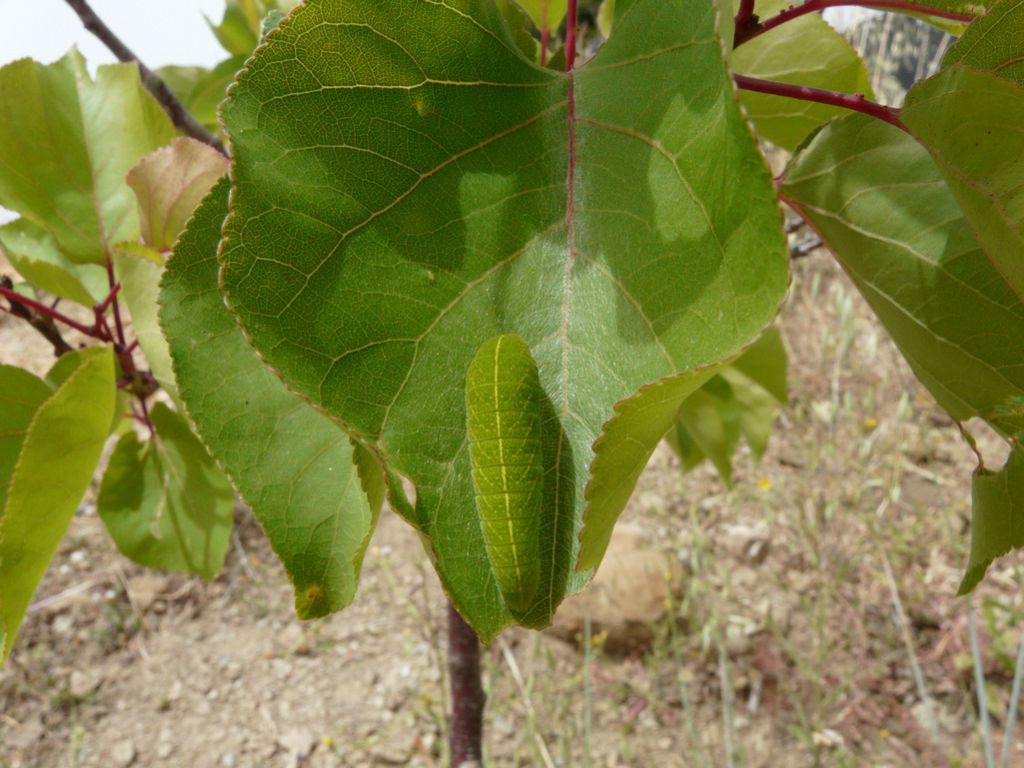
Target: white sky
x: 158, y: 31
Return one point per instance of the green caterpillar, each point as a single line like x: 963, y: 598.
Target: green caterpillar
x: 503, y: 399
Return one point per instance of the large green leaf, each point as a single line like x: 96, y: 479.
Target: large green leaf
x: 805, y: 51
x: 291, y: 463
x: 21, y: 394
x: 997, y: 525
x: 55, y: 464
x: 34, y: 253
x: 741, y: 400
x: 883, y: 207
x: 993, y: 42
x: 880, y: 203
x: 165, y: 502
x: 396, y: 207
x: 973, y: 124
x: 63, y: 160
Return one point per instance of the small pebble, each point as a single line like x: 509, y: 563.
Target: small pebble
x: 123, y: 754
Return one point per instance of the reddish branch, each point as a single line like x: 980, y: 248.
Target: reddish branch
x: 854, y: 101
x: 748, y: 26
x: 154, y: 84
x: 570, y: 36
x: 115, y: 287
x: 22, y: 306
x: 746, y: 19
x: 44, y: 319
x: 42, y: 323
x: 465, y: 737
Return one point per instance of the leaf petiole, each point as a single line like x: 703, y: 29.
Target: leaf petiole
x: 856, y: 102
x: 570, y: 36
x: 38, y: 307
x: 748, y: 27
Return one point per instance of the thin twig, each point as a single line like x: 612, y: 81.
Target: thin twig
x: 37, y: 307
x: 243, y: 556
x: 908, y: 642
x: 972, y: 443
x: 570, y: 36
x: 805, y: 247
x: 853, y: 101
x: 1011, y: 717
x: 101, y: 309
x: 43, y: 324
x: 154, y: 84
x: 139, y: 615
x: 979, y: 683
x: 749, y: 31
x: 746, y: 22
x: 517, y: 677
x: 54, y: 601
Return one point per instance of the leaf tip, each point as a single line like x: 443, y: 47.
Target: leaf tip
x: 972, y: 578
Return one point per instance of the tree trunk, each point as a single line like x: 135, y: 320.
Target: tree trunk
x: 467, y: 721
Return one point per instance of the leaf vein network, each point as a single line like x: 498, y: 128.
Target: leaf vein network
x: 870, y: 235
x: 412, y: 188
x: 487, y: 31
x: 664, y: 152
x: 442, y: 313
x: 637, y: 306
x: 589, y: 69
x: 930, y: 331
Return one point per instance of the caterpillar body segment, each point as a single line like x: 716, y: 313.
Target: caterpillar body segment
x: 503, y: 403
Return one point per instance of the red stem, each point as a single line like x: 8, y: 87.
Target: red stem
x: 45, y: 311
x: 747, y: 31
x: 145, y: 416
x: 570, y: 36
x: 139, y: 382
x: 853, y: 101
x: 745, y: 19
x: 570, y: 203
x: 103, y: 330
x: 103, y: 305
x: 112, y: 282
